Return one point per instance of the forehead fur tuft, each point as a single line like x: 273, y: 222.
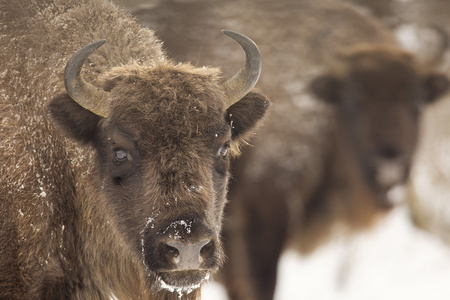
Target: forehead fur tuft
x: 178, y: 100
x: 136, y: 69
x: 369, y: 58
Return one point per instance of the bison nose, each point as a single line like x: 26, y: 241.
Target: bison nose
x: 389, y: 152
x: 190, y: 256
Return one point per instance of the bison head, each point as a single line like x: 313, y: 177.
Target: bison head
x: 378, y: 95
x: 163, y: 136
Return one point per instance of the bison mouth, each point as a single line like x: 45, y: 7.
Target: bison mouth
x: 182, y: 282
x: 388, y: 181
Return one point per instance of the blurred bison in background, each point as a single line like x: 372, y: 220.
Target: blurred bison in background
x: 141, y: 218
x: 316, y: 169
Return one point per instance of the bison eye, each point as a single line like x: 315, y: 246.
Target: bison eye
x: 121, y: 155
x: 223, y: 151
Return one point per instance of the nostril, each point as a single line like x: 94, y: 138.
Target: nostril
x: 172, y: 253
x: 207, y: 250
x: 389, y: 152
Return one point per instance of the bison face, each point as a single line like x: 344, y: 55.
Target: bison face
x: 162, y: 158
x: 378, y: 97
x: 163, y: 165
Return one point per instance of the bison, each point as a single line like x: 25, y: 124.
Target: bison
x: 340, y: 139
x: 114, y: 172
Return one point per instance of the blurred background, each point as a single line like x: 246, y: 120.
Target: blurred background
x: 407, y: 254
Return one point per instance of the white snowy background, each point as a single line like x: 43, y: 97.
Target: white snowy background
x: 394, y: 261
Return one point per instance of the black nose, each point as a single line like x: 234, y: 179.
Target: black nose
x: 189, y: 256
x: 389, y: 152
x: 184, y: 244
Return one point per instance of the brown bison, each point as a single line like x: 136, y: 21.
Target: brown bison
x: 341, y: 134
x: 130, y: 205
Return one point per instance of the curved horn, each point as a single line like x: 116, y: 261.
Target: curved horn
x: 85, y: 94
x: 240, y: 84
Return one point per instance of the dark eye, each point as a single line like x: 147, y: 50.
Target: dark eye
x: 121, y: 155
x: 223, y: 151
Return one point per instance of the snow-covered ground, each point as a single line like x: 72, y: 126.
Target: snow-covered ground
x: 394, y: 261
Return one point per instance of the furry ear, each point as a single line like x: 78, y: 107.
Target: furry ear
x: 73, y: 120
x: 435, y: 85
x: 245, y: 114
x: 325, y: 88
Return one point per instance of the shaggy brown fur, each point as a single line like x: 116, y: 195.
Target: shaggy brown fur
x: 315, y: 169
x: 88, y: 217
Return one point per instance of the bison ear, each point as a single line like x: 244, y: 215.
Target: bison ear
x: 435, y: 85
x: 325, y: 88
x: 73, y: 120
x: 245, y: 114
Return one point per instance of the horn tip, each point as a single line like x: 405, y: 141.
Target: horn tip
x: 230, y: 33
x: 99, y: 43
x: 240, y: 38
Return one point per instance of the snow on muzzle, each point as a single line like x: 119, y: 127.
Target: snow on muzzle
x: 183, y: 253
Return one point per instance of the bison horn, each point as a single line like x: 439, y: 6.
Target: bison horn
x: 85, y: 94
x: 240, y: 84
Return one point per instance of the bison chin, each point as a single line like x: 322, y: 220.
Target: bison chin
x: 388, y: 179
x: 182, y: 281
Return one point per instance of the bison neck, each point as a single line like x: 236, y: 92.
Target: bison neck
x: 342, y: 202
